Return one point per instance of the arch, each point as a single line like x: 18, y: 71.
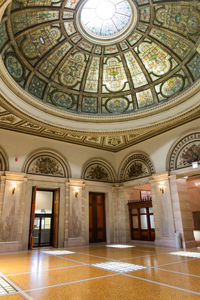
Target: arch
x: 3, y: 160
x: 48, y: 163
x: 97, y: 169
x: 184, y: 151
x: 135, y: 165
x: 3, y: 6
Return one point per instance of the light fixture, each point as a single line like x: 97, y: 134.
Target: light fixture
x: 195, y: 164
x: 162, y: 188
x: 76, y: 190
x: 13, y: 189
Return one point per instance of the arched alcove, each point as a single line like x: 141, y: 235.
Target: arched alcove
x: 184, y: 152
x: 47, y: 162
x: 98, y: 170
x: 3, y: 160
x: 135, y: 165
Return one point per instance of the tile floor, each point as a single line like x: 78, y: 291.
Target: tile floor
x: 100, y: 272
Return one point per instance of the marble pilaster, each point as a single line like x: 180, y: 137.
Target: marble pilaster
x: 182, y: 211
x: 163, y: 210
x: 12, y: 210
x: 76, y: 226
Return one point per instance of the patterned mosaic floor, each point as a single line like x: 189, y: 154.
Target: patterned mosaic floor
x: 101, y: 272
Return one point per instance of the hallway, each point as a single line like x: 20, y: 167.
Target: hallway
x: 133, y: 271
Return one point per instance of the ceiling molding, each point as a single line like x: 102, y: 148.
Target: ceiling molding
x: 114, y: 141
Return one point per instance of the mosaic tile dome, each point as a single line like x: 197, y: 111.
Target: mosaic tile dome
x: 139, y: 55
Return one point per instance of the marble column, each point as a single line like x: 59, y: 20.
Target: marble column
x: 182, y: 210
x: 163, y: 210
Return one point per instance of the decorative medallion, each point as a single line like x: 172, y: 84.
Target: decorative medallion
x: 172, y: 86
x: 118, y: 105
x: 61, y: 99
x: 14, y: 67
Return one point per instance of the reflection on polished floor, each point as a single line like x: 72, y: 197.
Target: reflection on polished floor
x: 100, y: 272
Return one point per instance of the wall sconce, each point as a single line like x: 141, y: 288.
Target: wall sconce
x: 162, y: 188
x: 13, y: 189
x: 76, y: 190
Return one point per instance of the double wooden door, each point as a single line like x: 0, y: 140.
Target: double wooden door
x: 97, y: 224
x: 142, y: 221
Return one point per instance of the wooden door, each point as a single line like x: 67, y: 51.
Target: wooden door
x: 56, y: 207
x: 32, y: 218
x: 141, y: 221
x: 97, y: 224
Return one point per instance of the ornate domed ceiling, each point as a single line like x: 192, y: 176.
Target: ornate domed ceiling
x: 102, y: 58
x: 101, y: 73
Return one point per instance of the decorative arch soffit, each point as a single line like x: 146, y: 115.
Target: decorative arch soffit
x: 184, y: 152
x: 136, y: 165
x: 3, y: 160
x: 47, y: 163
x: 98, y: 170
x: 147, y: 62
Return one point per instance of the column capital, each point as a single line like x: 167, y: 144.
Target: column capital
x: 2, y: 178
x: 15, y: 176
x: 117, y: 187
x: 76, y: 182
x: 159, y: 177
x: 172, y: 177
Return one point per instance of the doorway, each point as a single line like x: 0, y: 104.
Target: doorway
x: 141, y: 214
x: 44, y: 218
x: 193, y: 191
x: 142, y: 221
x: 97, y: 224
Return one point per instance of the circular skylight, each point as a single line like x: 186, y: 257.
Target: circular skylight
x: 106, y: 19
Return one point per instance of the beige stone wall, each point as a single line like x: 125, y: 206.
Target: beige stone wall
x: 194, y: 194
x: 172, y: 211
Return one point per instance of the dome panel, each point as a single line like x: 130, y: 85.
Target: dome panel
x: 172, y: 86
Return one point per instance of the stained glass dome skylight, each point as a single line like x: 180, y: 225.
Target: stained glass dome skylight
x: 107, y: 18
x: 65, y: 61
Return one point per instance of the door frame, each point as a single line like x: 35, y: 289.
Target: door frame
x: 55, y: 217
